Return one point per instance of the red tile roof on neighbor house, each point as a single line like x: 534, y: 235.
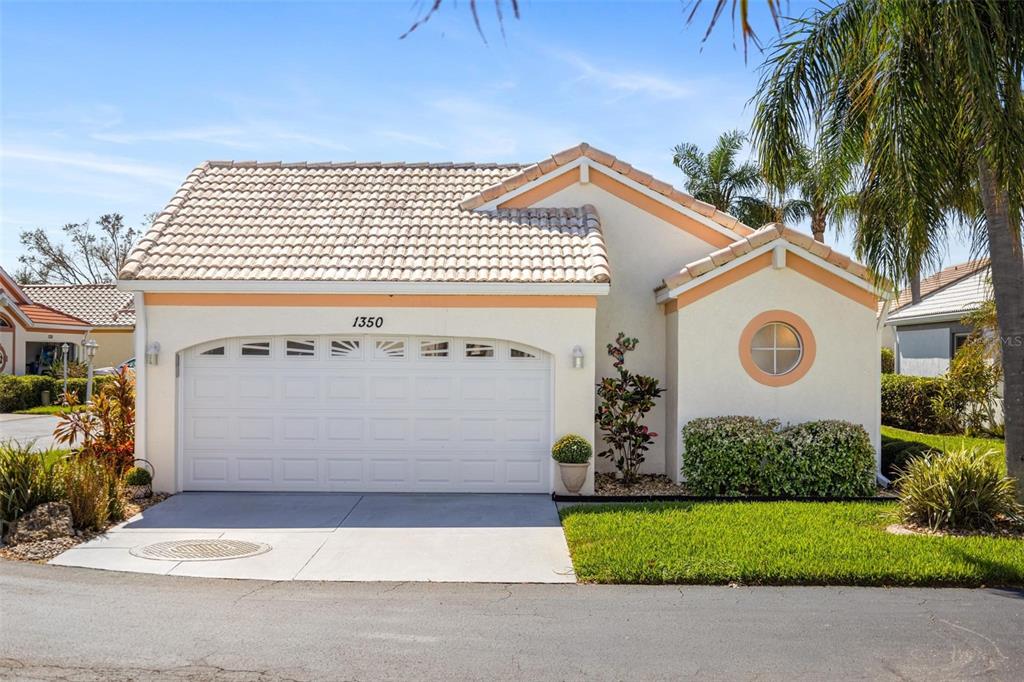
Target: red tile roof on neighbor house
x: 44, y: 316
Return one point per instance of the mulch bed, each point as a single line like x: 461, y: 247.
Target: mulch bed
x: 648, y: 484
x: 43, y: 551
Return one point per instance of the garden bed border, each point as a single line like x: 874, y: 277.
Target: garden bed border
x: 560, y: 497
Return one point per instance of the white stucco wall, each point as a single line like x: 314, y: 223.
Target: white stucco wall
x: 842, y: 383
x: 115, y: 346
x: 554, y: 330
x: 643, y: 249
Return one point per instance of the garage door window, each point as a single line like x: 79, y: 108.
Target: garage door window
x: 300, y: 348
x: 215, y: 350
x: 390, y: 349
x: 256, y: 349
x: 479, y: 350
x: 520, y: 353
x: 434, y: 349
x: 346, y: 348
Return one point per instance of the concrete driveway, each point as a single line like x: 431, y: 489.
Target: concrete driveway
x: 352, y: 537
x: 29, y: 427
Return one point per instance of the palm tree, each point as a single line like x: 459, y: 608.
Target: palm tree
x: 923, y: 102
x: 718, y: 179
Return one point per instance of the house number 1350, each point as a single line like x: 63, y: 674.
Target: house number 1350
x: 368, y: 322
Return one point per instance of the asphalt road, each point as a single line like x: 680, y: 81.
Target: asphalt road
x: 80, y: 624
x: 27, y: 428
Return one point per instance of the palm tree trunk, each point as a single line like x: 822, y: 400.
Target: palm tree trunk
x: 1008, y: 289
x: 915, y: 287
x: 818, y: 226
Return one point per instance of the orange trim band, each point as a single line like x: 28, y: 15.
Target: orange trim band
x: 370, y: 300
x: 806, y: 359
x: 543, y: 190
x: 798, y: 264
x: 826, y: 278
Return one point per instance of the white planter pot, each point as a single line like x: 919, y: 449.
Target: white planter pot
x: 573, y: 476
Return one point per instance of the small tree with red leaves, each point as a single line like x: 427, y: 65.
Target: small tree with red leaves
x: 624, y: 401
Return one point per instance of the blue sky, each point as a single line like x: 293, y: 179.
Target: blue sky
x: 107, y: 106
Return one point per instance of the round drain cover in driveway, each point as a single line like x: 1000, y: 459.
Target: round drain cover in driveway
x: 200, y: 550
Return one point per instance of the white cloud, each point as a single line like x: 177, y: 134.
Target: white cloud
x: 113, y: 165
x: 249, y: 135
x: 627, y: 81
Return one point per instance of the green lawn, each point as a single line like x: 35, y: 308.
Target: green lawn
x: 945, y: 442
x: 50, y: 409
x: 776, y: 543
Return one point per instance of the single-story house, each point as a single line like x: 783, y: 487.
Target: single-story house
x: 31, y: 333
x: 436, y: 326
x: 925, y: 335
x: 108, y: 310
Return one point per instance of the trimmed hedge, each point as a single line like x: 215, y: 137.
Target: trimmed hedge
x: 750, y: 456
x: 908, y: 402
x: 24, y: 392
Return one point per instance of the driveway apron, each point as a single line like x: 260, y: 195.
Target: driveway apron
x: 347, y: 537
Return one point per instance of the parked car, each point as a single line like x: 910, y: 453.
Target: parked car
x: 129, y: 363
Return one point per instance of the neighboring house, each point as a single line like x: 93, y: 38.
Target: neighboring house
x: 925, y: 335
x: 108, y: 311
x: 31, y: 333
x: 434, y: 327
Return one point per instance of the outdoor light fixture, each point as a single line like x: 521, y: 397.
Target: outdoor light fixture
x: 90, y: 353
x: 152, y: 353
x: 64, y: 348
x: 577, y: 357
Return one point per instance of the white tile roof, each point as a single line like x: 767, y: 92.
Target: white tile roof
x: 960, y: 297
x: 354, y: 222
x: 101, y: 305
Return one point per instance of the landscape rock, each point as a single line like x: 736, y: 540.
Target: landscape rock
x: 47, y: 521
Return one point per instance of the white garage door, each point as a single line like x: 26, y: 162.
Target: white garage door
x: 365, y: 413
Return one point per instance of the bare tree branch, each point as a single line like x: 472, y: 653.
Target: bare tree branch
x: 87, y: 257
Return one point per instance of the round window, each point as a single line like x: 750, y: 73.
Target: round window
x: 776, y: 348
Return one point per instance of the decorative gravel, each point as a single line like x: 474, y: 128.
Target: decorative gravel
x: 648, y: 484
x: 45, y: 550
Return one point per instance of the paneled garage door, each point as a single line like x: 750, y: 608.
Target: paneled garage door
x: 365, y: 413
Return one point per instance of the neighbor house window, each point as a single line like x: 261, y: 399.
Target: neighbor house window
x: 776, y: 348
x: 959, y: 339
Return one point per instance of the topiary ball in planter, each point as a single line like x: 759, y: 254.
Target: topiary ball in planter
x: 139, y: 483
x: 573, y: 453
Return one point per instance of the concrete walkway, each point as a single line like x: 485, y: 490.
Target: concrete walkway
x: 351, y: 537
x: 25, y: 428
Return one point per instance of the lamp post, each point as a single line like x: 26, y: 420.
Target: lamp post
x: 64, y: 361
x: 90, y: 353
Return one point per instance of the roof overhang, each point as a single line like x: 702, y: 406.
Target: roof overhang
x: 777, y: 248
x: 901, y: 321
x: 579, y: 171
x: 404, y: 288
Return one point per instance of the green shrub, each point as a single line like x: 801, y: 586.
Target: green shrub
x: 888, y: 361
x: 908, y: 402
x: 26, y: 392
x: 967, y: 402
x: 959, y: 489
x: 750, y: 456
x: 827, y: 458
x: 572, y: 449
x: 139, y: 476
x: 726, y: 455
x: 25, y: 481
x: 896, y: 453
x: 93, y: 490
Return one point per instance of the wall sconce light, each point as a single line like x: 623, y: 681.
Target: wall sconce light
x: 153, y: 353
x: 577, y: 357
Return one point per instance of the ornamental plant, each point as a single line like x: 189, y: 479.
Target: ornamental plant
x: 106, y: 428
x: 137, y: 476
x: 572, y: 449
x: 624, y: 401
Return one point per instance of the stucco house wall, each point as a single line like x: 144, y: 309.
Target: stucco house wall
x: 115, y: 346
x: 643, y: 249
x: 178, y: 327
x: 842, y: 383
x: 925, y: 350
